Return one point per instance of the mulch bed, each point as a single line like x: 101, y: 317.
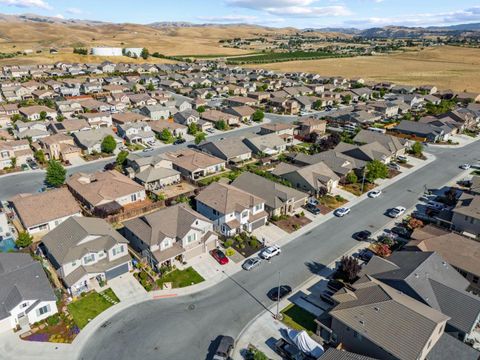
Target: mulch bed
x: 392, y: 173
x: 293, y: 223
x: 406, y: 165
x: 324, y: 210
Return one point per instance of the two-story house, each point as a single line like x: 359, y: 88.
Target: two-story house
x: 232, y: 210
x: 176, y: 233
x: 139, y: 132
x: 84, y: 251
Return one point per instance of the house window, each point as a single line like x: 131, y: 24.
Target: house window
x: 244, y: 214
x: 463, y: 273
x: 43, y: 310
x: 89, y: 258
x: 74, y: 264
x: 117, y: 250
x: 258, y: 207
x: 475, y: 280
x: 191, y: 237
x: 134, y: 197
x: 215, y: 212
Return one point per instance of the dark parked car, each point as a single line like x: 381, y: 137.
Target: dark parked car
x: 179, y: 141
x: 224, y: 348
x: 109, y: 167
x: 33, y: 165
x: 402, y: 232
x: 312, y: 209
x: 365, y: 255
x: 288, y: 351
x: 284, y: 291
x: 362, y: 235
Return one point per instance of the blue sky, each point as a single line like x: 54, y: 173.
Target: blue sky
x: 277, y: 13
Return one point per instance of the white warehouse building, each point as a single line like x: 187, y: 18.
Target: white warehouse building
x: 107, y: 51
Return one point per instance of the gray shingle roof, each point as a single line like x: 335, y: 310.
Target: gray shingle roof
x: 334, y: 354
x: 448, y: 348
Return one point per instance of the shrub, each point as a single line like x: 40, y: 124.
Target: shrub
x: 228, y: 243
x: 53, y: 320
x: 253, y: 242
x: 143, y: 275
x: 229, y: 252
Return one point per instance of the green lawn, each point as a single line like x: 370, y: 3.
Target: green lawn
x: 89, y: 307
x: 298, y: 319
x: 181, y: 278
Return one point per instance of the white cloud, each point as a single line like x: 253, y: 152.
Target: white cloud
x: 229, y: 19
x: 59, y: 16
x: 41, y: 4
x: 74, y: 11
x: 291, y: 8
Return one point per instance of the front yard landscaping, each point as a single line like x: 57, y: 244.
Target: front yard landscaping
x: 244, y: 244
x: 356, y: 189
x: 181, y: 278
x: 332, y: 202
x: 58, y: 328
x: 299, y: 319
x: 291, y: 223
x: 90, y: 306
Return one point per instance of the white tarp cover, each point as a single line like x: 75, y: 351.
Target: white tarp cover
x: 305, y: 343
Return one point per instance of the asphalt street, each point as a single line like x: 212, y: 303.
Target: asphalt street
x: 183, y: 328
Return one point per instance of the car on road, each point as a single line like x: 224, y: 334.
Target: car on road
x: 341, y: 212
x: 465, y: 167
x: 251, y: 263
x: 374, y: 194
x: 179, y: 141
x: 218, y: 255
x: 270, y: 252
x: 278, y: 293
x: 312, y: 209
x: 363, y: 235
x: 397, y: 212
x: 225, y: 348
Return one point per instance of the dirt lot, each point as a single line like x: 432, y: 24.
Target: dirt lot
x: 446, y: 67
x: 292, y: 223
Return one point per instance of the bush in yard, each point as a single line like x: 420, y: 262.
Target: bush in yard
x: 376, y: 170
x: 253, y: 242
x: 199, y: 137
x: 349, y: 268
x: 53, y: 320
x: 24, y: 240
x: 258, y: 116
x: 228, y: 243
x: 166, y: 136
x: 221, y: 125
x: 384, y: 239
x: 143, y: 275
x: 121, y: 158
x: 351, y: 178
x: 108, y: 144
x: 415, y: 224
x: 229, y: 252
x: 417, y: 149
x: 56, y: 174
x: 383, y: 250
x: 254, y: 354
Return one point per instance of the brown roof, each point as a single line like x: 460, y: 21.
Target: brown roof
x: 37, y: 209
x: 193, y: 160
x: 102, y: 187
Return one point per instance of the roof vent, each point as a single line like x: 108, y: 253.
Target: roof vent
x: 416, y: 276
x: 362, y: 322
x: 376, y: 308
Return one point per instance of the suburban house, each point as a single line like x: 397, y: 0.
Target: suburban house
x: 367, y: 152
x: 170, y: 235
x: 271, y: 144
x: 311, y: 126
x: 232, y: 150
x: 284, y: 131
x: 90, y: 141
x: 68, y: 126
x: 365, y: 318
x: 186, y: 117
x: 216, y: 116
x: 421, y: 130
x: 59, y: 147
x: 34, y: 113
x: 279, y: 199
x: 154, y: 173
x: 18, y: 149
x: 85, y: 251
x: 232, y: 210
x: 26, y: 296
x: 136, y: 133
x: 157, y: 112
x: 395, y: 145
x: 427, y: 278
x: 44, y: 211
x: 314, y: 179
x: 105, y: 192
x: 466, y: 215
x: 195, y: 164
x: 459, y: 251
x: 244, y: 113
x: 99, y: 119
x: 177, y: 130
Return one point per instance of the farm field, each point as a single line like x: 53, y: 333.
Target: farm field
x: 446, y: 67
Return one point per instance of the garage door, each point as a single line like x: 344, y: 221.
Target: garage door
x: 258, y: 224
x: 119, y: 270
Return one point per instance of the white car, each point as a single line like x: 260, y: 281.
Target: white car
x: 341, y: 212
x: 374, y: 194
x: 402, y: 158
x: 270, y: 252
x: 397, y: 212
x: 465, y: 167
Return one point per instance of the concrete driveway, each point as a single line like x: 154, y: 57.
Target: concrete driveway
x: 126, y: 287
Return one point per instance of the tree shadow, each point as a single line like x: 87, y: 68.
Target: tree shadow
x: 315, y: 267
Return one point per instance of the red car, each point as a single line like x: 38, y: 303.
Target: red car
x: 219, y: 256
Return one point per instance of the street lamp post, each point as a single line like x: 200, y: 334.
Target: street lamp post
x: 277, y: 316
x: 363, y: 179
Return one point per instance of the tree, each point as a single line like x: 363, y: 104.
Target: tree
x: 192, y: 129
x: 24, y: 239
x: 417, y: 149
x: 349, y: 268
x: 347, y: 98
x: 351, y: 178
x: 108, y: 144
x: 60, y: 118
x: 376, y: 170
x: 258, y: 116
x: 150, y: 87
x: 43, y: 115
x: 166, y: 136
x: 199, y: 137
x: 317, y: 105
x: 201, y: 109
x: 56, y: 174
x: 121, y: 157
x: 40, y: 156
x: 221, y: 125
x: 327, y: 143
x: 145, y: 53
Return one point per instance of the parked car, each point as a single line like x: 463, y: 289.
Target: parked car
x: 25, y: 167
x: 277, y: 293
x: 362, y: 235
x: 401, y: 231
x: 179, y: 141
x: 365, y: 255
x: 341, y: 212
x: 312, y: 201
x: 312, y: 209
x: 288, y: 351
x: 374, y: 194
x: 402, y: 158
x: 224, y: 348
x: 33, y: 165
x: 147, y: 150
x: 394, y: 166
x: 218, y: 255
x: 397, y: 212
x: 270, y: 252
x: 435, y: 205
x: 210, y: 131
x: 251, y: 263
x: 465, y: 167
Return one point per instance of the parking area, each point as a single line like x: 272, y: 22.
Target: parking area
x: 126, y: 287
x: 270, y: 233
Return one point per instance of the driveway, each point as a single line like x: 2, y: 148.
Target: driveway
x: 271, y: 233
x: 126, y: 287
